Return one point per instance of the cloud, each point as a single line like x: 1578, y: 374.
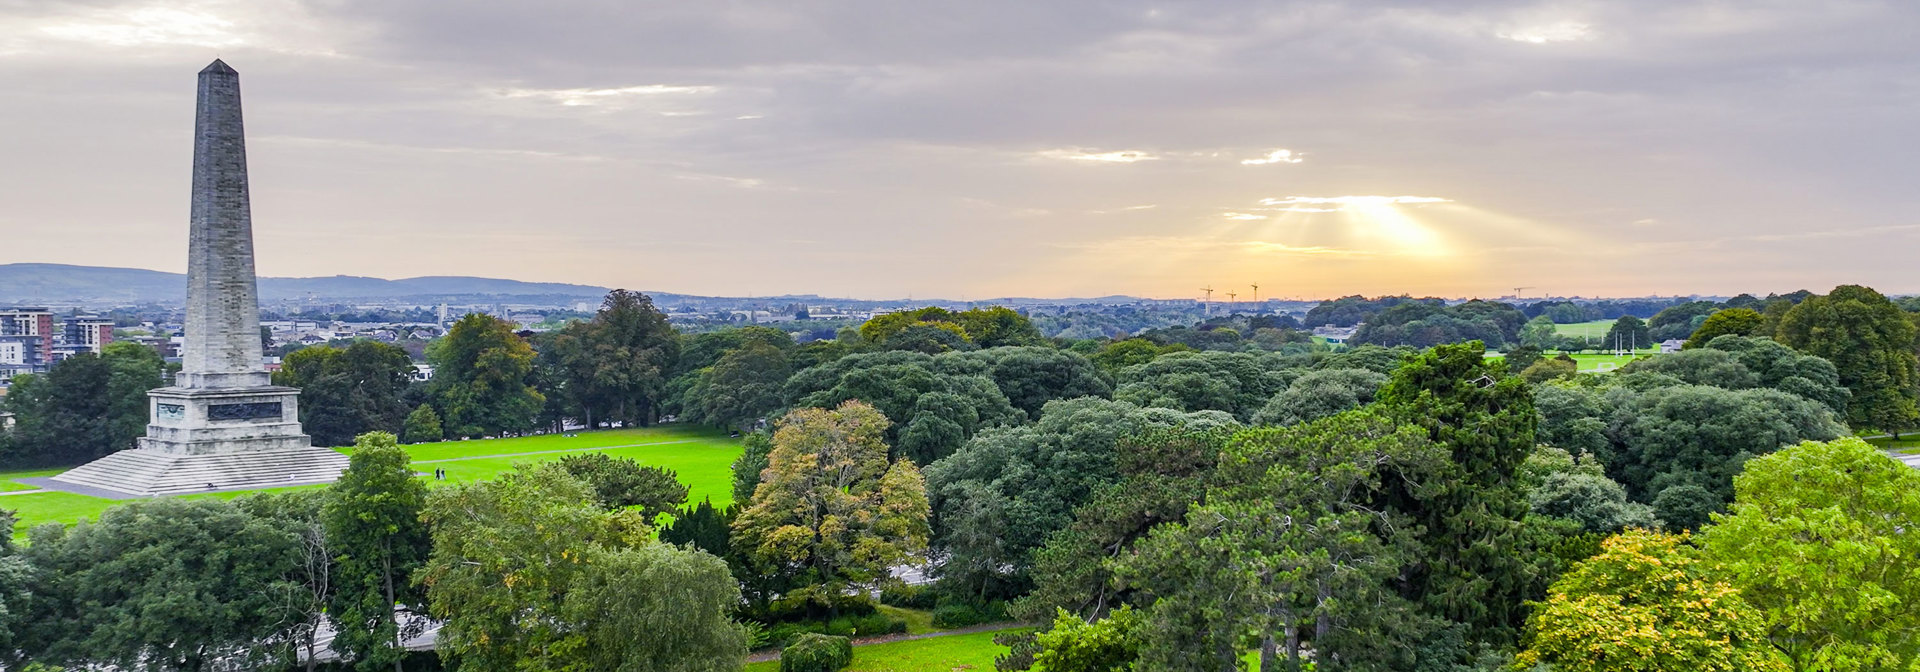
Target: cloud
x: 1243, y: 217
x: 1559, y: 31
x: 1275, y: 156
x: 148, y: 26
x: 1124, y: 156
x: 585, y: 97
x: 1307, y: 203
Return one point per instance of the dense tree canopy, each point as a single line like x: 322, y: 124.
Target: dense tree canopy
x: 1871, y: 342
x: 1001, y: 494
x: 86, y: 407
x: 482, y: 378
x: 1646, y: 603
x: 346, y: 392
x: 1820, y: 539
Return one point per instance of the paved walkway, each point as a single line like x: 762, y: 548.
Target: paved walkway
x: 765, y: 656
x: 24, y: 492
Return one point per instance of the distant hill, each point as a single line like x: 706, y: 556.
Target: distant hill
x: 65, y: 284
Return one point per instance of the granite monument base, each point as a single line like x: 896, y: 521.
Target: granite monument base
x: 214, y: 439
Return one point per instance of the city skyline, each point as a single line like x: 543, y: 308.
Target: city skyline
x: 1318, y: 149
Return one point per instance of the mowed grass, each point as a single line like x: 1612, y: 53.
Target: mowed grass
x: 1595, y: 329
x: 7, y: 484
x: 1909, y: 444
x: 973, y: 651
x: 702, y: 458
x: 1597, y: 362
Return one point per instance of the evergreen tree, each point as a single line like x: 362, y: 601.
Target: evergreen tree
x: 1471, y: 568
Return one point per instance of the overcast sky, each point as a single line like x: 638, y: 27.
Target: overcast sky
x: 992, y: 148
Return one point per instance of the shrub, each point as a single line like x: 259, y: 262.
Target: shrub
x: 816, y: 653
x: 961, y: 614
x: 899, y: 594
x: 758, y: 636
x: 879, y: 624
x: 782, y: 634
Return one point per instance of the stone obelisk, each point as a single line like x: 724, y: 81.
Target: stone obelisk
x: 222, y: 425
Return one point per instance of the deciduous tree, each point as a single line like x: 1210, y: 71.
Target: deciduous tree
x: 1646, y: 603
x: 1871, y: 342
x: 373, y: 522
x: 1820, y: 539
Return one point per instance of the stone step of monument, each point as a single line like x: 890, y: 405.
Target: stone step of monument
x: 152, y: 472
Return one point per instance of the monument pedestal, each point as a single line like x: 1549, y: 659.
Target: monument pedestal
x: 215, y: 439
x: 223, y: 426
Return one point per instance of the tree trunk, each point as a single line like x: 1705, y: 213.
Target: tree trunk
x: 386, y: 571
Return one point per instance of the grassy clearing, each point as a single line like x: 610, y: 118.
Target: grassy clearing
x: 1909, y: 444
x: 1594, y: 363
x: 1594, y: 329
x: 973, y: 651
x: 701, y: 457
x: 918, y: 621
x: 7, y: 484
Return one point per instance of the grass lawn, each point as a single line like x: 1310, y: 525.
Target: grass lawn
x: 701, y: 457
x: 918, y: 621
x: 974, y: 652
x: 1600, y: 362
x: 1594, y: 329
x: 1909, y: 444
x: 7, y: 484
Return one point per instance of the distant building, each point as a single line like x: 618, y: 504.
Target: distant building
x: 35, y: 323
x: 1671, y: 345
x: 88, y: 332
x: 422, y: 373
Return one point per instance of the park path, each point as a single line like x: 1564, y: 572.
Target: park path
x: 765, y: 656
x: 551, y: 452
x: 24, y: 492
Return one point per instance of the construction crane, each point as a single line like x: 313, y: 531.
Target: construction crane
x: 1206, y: 305
x: 1518, y: 290
x: 1256, y: 293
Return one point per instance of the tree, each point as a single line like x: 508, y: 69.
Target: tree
x: 831, y: 508
x: 1669, y: 436
x: 633, y: 347
x: 998, y: 326
x: 621, y: 483
x: 1318, y: 394
x: 1553, y: 368
x: 1577, y: 489
x: 1520, y: 357
x: 1237, y: 383
x: 1646, y: 603
x: 86, y: 407
x: 1540, y: 333
x: 482, y: 378
x: 739, y: 390
x: 346, y: 392
x: 1820, y: 540
x: 1628, y: 333
x: 1073, y: 645
x: 1030, y: 376
x: 310, y: 579
x: 654, y: 607
x: 1871, y: 342
x: 528, y: 572
x: 373, y: 521
x: 1729, y: 322
x: 1471, y: 568
x: 752, y: 462
x: 1000, y: 496
x: 161, y: 584
x: 704, y: 527
x: 16, y: 595
x: 423, y: 425
x: 1295, y: 550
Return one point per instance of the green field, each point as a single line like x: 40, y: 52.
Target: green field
x: 1593, y: 363
x: 1595, y: 330
x: 972, y: 651
x: 701, y: 457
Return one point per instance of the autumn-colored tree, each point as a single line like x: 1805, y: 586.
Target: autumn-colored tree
x: 1646, y: 603
x: 832, y: 510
